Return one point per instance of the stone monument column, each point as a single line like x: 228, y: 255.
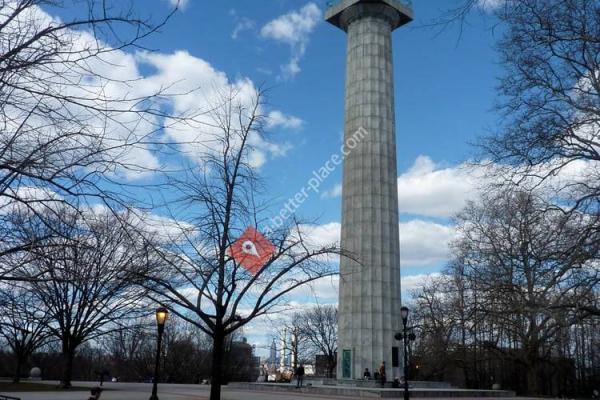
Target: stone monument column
x: 369, y: 297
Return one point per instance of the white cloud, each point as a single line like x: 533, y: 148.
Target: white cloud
x: 335, y: 191
x: 110, y: 81
x: 324, y: 290
x: 30, y: 200
x: 424, y: 243
x: 490, y: 5
x: 264, y: 71
x: 427, y: 189
x: 163, y: 228
x: 430, y: 190
x: 277, y: 119
x: 557, y: 179
x: 189, y: 86
x: 293, y: 29
x: 180, y: 4
x: 257, y: 159
x: 317, y: 236
x: 414, y: 282
x: 243, y: 24
x: 200, y: 86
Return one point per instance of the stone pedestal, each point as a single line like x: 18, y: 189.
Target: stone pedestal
x: 35, y: 374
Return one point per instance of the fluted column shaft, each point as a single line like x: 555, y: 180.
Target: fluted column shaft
x: 370, y: 291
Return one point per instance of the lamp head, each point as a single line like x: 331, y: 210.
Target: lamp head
x: 404, y: 313
x: 162, y: 314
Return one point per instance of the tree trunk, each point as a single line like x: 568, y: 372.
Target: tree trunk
x: 330, y: 366
x: 17, y: 377
x: 330, y: 369
x: 532, y: 380
x: 532, y: 374
x: 67, y: 371
x: 217, y: 366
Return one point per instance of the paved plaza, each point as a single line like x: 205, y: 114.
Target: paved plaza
x: 141, y: 391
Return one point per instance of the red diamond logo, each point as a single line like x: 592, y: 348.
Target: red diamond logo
x: 252, y: 250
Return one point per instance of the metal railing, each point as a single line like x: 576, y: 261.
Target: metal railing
x: 405, y: 3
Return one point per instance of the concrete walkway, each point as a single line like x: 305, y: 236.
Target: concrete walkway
x: 141, y: 391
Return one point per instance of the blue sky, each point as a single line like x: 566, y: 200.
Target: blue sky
x: 444, y: 92
x: 444, y: 98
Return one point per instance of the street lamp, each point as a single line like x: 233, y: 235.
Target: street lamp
x: 404, y: 315
x: 162, y: 314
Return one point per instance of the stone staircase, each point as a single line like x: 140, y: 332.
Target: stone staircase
x: 417, y: 390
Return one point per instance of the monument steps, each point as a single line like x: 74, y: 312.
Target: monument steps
x: 371, y: 383
x: 368, y: 392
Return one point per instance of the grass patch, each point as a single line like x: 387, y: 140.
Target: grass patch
x: 35, y: 387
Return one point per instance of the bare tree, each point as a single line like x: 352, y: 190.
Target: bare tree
x: 318, y: 326
x: 436, y: 318
x: 516, y: 304
x: 291, y: 340
x: 23, y: 324
x: 549, y: 96
x: 551, y: 88
x: 186, y: 352
x: 221, y: 198
x: 131, y: 349
x: 526, y: 261
x: 91, y: 280
x: 67, y: 122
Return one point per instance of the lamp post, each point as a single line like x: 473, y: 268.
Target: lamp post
x: 162, y: 314
x: 404, y: 315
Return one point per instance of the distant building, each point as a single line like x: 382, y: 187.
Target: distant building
x: 273, y: 360
x: 282, y: 358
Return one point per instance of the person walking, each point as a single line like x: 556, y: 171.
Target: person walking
x: 382, y: 373
x: 299, y: 376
